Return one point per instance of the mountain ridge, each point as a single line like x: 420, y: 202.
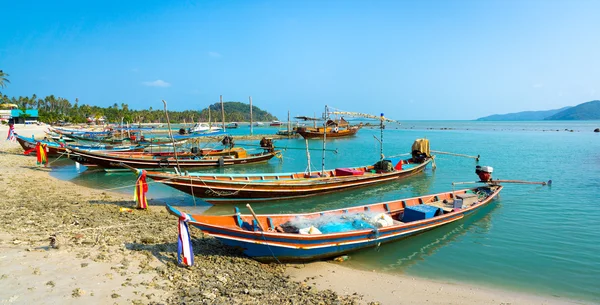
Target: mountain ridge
x: 523, y: 115
x: 584, y: 111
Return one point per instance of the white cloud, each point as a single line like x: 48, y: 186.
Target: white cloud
x: 214, y: 54
x: 157, y: 83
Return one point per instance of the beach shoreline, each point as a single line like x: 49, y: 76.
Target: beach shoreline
x: 107, y: 254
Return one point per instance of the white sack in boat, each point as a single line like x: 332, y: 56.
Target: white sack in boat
x: 382, y: 220
x: 310, y: 230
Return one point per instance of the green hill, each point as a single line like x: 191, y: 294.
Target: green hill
x: 236, y: 112
x: 585, y: 111
x: 523, y: 116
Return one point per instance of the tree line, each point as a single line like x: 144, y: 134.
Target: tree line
x: 53, y: 109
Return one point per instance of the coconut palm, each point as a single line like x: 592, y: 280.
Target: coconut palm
x: 3, y: 79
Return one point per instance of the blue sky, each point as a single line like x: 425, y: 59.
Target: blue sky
x: 413, y: 60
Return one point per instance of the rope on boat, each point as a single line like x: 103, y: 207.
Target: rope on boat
x: 455, y: 154
x: 60, y: 156
x: 220, y: 194
x: 192, y: 188
x: 269, y: 246
x: 128, y: 186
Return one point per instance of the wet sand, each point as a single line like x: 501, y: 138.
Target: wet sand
x: 105, y: 255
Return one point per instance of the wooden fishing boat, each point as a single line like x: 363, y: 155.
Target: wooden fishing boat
x: 54, y: 149
x: 331, y: 132
x: 112, y: 162
x: 333, y: 129
x: 327, y: 234
x: 235, y: 188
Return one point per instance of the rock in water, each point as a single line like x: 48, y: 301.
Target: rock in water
x: 597, y: 130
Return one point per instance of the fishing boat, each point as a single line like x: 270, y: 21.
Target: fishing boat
x: 232, y: 125
x: 285, y: 132
x: 114, y: 162
x: 332, y: 233
x: 333, y: 129
x: 264, y: 187
x: 275, y: 123
x: 54, y: 149
x: 80, y: 132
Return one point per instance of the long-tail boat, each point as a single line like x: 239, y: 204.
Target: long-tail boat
x: 113, y: 162
x: 334, y: 129
x: 54, y: 149
x: 327, y: 234
x: 236, y: 188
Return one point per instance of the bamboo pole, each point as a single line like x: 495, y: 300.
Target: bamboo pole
x: 289, y: 126
x: 255, y: 217
x: 222, y: 112
x: 457, y: 155
x: 251, y: 123
x: 285, y: 148
x: 381, y: 126
x: 325, y: 115
x: 171, y: 135
x: 549, y: 182
x: 307, y: 155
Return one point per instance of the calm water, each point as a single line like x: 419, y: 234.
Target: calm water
x: 533, y: 238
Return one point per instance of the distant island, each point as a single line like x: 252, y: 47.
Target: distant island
x: 586, y: 111
x: 236, y: 112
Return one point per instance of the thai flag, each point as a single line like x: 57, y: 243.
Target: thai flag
x: 11, y: 134
x: 185, y: 253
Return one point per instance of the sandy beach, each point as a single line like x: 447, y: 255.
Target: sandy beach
x: 103, y: 254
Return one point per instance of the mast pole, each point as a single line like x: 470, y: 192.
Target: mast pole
x: 325, y: 115
x: 381, y: 126
x: 289, y: 126
x: 307, y: 156
x: 222, y: 111
x: 171, y: 135
x: 251, y: 123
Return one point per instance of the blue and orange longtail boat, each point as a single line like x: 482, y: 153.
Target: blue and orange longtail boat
x: 321, y: 235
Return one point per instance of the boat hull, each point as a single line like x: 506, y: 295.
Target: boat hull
x: 223, y: 191
x: 113, y: 161
x: 54, y: 149
x: 272, y: 245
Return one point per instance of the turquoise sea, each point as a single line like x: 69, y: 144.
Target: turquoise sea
x: 539, y: 239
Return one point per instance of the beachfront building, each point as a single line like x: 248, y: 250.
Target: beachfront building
x: 17, y: 116
x: 5, y: 111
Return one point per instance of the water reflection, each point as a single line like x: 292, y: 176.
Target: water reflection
x: 398, y: 256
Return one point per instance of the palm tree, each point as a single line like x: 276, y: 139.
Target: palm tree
x: 3, y: 79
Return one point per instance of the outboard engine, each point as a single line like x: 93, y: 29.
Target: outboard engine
x: 267, y: 144
x: 484, y: 172
x: 420, y: 150
x: 228, y: 141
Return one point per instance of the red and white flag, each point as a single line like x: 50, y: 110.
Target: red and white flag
x: 185, y: 253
